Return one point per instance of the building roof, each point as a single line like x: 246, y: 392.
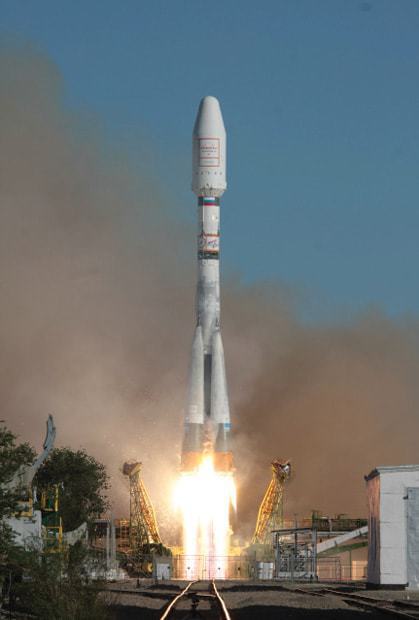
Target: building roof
x: 390, y: 469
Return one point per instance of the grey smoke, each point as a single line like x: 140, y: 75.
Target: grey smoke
x: 97, y: 316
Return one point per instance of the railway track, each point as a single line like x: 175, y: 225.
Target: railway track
x: 194, y: 594
x: 201, y: 599
x: 391, y: 607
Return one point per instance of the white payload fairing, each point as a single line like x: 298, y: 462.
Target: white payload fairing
x: 207, y: 416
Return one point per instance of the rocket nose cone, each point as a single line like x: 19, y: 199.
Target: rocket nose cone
x: 209, y: 120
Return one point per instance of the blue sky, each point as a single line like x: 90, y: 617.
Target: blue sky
x: 321, y: 104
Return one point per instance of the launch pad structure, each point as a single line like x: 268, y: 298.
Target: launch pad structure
x: 271, y: 511
x: 143, y: 530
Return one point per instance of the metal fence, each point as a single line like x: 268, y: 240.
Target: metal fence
x: 334, y: 569
x: 242, y: 568
x: 211, y: 567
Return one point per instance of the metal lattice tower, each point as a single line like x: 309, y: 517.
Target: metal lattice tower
x: 143, y: 524
x: 271, y: 511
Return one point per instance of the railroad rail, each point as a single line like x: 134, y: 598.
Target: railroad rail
x: 211, y: 595
x: 221, y: 603
x: 392, y: 607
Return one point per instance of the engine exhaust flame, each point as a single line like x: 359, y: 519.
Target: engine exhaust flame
x: 204, y: 498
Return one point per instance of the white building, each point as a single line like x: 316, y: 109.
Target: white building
x: 393, y: 525
x: 27, y: 529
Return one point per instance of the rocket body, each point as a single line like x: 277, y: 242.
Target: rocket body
x: 207, y: 416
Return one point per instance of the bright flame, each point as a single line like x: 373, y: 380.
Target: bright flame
x: 204, y: 498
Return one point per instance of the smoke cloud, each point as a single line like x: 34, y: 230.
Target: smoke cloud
x: 97, y: 316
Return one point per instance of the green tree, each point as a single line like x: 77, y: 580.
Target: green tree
x: 13, y: 456
x: 58, y: 587
x: 52, y: 586
x: 83, y: 482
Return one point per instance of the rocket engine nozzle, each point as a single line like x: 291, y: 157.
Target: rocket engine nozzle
x: 190, y: 461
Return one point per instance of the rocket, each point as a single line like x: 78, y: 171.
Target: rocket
x: 207, y: 415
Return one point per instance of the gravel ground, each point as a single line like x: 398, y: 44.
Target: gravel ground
x: 246, y: 600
